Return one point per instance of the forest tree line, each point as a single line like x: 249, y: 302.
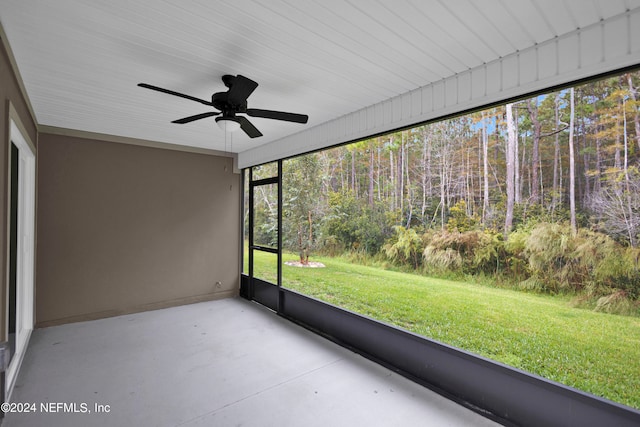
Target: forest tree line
x: 543, y: 192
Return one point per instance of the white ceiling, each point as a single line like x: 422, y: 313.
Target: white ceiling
x: 81, y: 60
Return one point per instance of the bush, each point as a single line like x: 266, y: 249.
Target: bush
x: 613, y: 267
x: 353, y: 225
x: 467, y: 252
x: 331, y: 246
x: 405, y: 247
x: 516, y: 262
x: 440, y: 260
x: 548, y: 248
x: 490, y: 253
x: 618, y: 302
x: 459, y: 219
x: 588, y: 261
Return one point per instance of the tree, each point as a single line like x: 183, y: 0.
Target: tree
x: 618, y: 208
x: 371, y: 149
x: 485, y: 168
x: 572, y: 172
x: 301, y: 203
x: 633, y: 94
x: 557, y: 172
x: 532, y: 106
x: 511, y: 159
x: 426, y: 174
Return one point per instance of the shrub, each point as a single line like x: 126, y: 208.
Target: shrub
x: 331, y: 246
x: 618, y: 302
x: 460, y: 220
x: 405, y: 247
x: 352, y: 224
x: 516, y: 262
x: 548, y: 249
x: 588, y: 261
x: 468, y: 252
x: 440, y: 260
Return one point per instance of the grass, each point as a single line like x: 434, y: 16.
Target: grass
x: 595, y: 352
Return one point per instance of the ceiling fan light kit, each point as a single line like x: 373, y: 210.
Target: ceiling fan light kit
x: 228, y: 124
x: 230, y: 103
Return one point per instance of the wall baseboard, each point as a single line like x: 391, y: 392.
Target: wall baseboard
x: 139, y: 308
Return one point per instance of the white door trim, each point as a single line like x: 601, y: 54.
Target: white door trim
x: 25, y: 251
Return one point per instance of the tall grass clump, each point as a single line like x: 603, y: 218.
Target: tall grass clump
x: 589, y: 264
x: 468, y: 252
x: 405, y: 247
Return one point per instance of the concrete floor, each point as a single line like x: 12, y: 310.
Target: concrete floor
x: 220, y: 363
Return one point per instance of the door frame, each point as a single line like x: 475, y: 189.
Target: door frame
x: 260, y: 290
x: 25, y: 259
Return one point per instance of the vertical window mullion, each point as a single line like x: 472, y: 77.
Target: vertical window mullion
x: 251, y: 213
x: 279, y: 271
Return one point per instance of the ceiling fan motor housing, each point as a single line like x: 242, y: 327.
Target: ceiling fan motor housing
x: 220, y: 101
x: 228, y: 79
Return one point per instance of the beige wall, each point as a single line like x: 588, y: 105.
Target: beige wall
x: 120, y: 228
x: 124, y: 228
x: 9, y: 93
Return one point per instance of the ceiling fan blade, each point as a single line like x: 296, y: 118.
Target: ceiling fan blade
x: 196, y: 117
x: 241, y: 88
x: 278, y: 115
x: 248, y: 127
x: 171, y: 92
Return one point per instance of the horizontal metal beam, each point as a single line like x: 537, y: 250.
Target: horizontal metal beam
x: 264, y: 181
x: 265, y: 249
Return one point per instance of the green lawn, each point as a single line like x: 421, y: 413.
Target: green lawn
x: 595, y: 352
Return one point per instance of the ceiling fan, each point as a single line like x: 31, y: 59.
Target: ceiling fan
x: 230, y: 103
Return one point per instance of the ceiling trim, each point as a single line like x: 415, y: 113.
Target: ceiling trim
x: 600, y: 48
x: 131, y: 141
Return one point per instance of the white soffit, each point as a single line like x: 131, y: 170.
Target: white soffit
x: 356, y: 67
x: 602, y: 47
